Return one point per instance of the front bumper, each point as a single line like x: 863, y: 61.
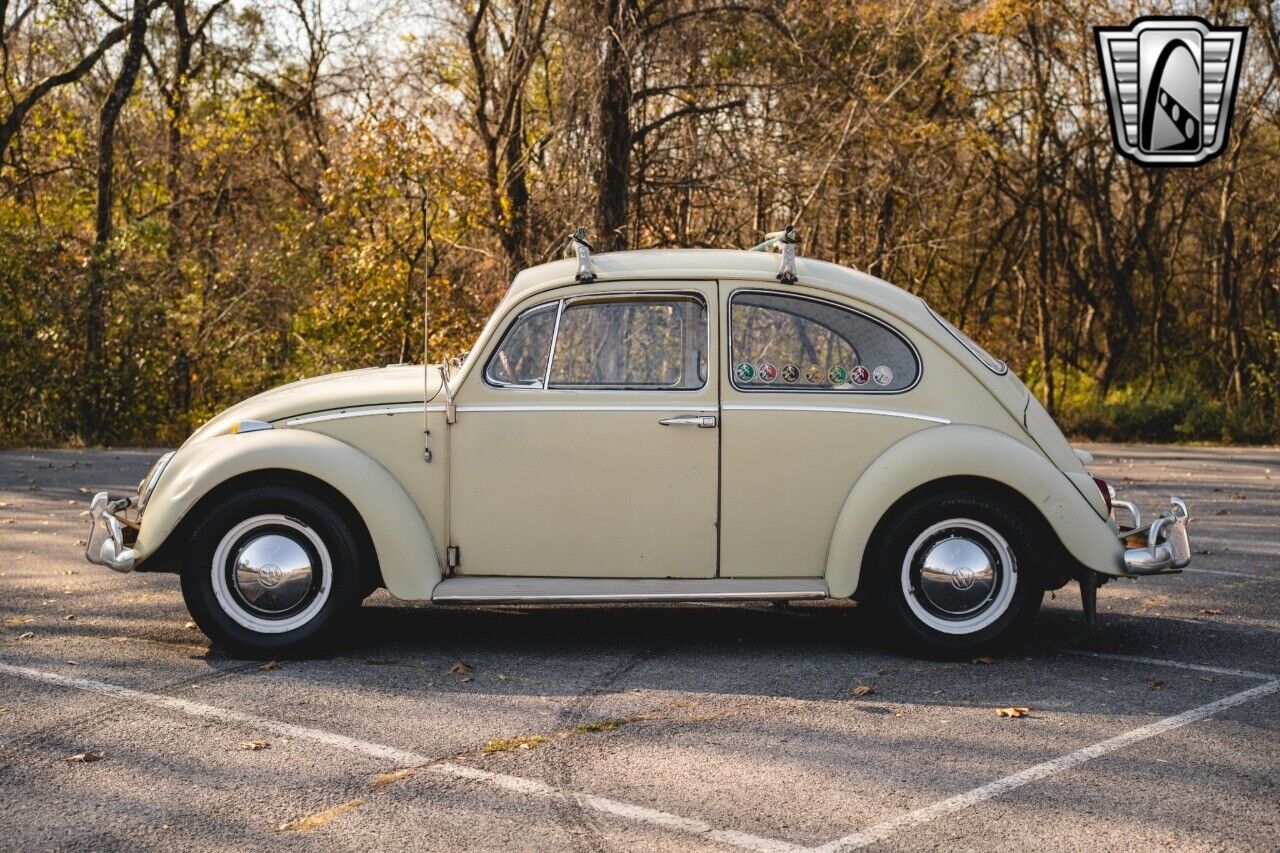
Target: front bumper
x: 109, y: 538
x: 1158, y: 548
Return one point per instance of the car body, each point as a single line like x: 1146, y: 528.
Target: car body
x: 645, y: 426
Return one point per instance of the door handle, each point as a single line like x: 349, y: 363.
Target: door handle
x: 700, y: 421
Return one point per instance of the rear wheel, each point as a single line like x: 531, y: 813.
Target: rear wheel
x: 272, y: 570
x: 955, y: 573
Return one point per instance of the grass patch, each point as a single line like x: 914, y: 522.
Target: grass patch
x: 507, y: 744
x: 599, y: 726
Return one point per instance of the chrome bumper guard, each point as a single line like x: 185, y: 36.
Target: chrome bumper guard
x: 1167, y: 550
x: 106, y: 545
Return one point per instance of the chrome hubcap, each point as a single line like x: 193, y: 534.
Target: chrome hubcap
x: 272, y: 572
x: 959, y: 576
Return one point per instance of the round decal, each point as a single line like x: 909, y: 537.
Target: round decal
x: 860, y: 375
x: 837, y: 375
x: 790, y: 373
x: 767, y: 371
x: 882, y: 375
x: 745, y: 371
x: 813, y: 374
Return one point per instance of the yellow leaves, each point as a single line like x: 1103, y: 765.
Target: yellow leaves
x: 862, y: 690
x: 1014, y: 712
x: 320, y: 818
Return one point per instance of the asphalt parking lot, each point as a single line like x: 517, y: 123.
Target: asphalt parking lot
x: 690, y: 728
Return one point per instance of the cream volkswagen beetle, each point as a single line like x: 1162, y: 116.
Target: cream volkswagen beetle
x: 661, y: 425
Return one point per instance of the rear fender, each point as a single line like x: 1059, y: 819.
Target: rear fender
x: 405, y: 549
x: 967, y: 451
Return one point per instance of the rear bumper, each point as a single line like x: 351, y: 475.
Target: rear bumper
x: 109, y: 538
x: 1159, y: 548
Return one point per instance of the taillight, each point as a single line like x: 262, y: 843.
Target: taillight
x: 1108, y: 493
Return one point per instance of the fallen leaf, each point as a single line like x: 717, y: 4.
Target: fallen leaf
x: 69, y: 617
x: 502, y: 676
x: 15, y: 621
x: 319, y: 819
x: 190, y: 626
x: 382, y: 780
x: 862, y: 690
x: 983, y: 659
x: 460, y: 668
x: 1012, y: 712
x: 1155, y: 684
x: 269, y: 665
x: 26, y: 635
x: 83, y: 758
x: 1211, y: 611
x: 255, y: 745
x: 80, y: 543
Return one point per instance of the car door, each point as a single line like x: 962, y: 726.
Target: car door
x: 587, y: 441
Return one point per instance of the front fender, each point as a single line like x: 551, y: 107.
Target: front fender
x: 406, y: 552
x: 967, y: 451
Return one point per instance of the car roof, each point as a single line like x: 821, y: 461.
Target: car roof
x: 733, y: 264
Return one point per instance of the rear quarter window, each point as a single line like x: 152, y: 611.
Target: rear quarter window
x: 783, y: 342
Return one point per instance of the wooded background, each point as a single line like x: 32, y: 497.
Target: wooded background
x: 200, y: 199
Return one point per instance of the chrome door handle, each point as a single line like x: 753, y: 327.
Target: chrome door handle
x: 700, y: 421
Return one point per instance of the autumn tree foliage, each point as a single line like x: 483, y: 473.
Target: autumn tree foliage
x: 200, y: 199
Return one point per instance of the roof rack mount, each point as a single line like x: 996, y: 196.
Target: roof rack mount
x: 579, y: 246
x: 788, y: 238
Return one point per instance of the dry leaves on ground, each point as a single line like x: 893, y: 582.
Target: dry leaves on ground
x: 1013, y: 712
x: 255, y: 745
x: 1155, y: 684
x: 83, y: 758
x: 382, y: 780
x: 461, y: 668
x: 319, y: 819
x: 983, y: 659
x: 1211, y: 611
x: 862, y: 690
x: 269, y: 665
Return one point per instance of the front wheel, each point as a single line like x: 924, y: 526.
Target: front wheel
x: 955, y: 571
x: 272, y: 570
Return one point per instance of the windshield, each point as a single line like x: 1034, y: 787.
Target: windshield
x: 992, y: 363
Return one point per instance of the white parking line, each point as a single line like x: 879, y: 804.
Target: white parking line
x: 1176, y: 664
x: 1228, y: 574
x: 405, y: 758
x: 991, y: 790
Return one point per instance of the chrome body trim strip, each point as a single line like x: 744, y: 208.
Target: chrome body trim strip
x: 568, y: 407
x: 463, y: 589
x: 848, y: 410
x: 406, y: 408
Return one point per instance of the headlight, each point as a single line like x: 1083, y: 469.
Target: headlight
x: 148, y: 484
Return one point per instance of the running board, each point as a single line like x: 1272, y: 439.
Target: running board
x: 522, y: 590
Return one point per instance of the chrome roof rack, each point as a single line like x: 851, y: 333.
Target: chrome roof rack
x: 579, y: 246
x: 788, y: 238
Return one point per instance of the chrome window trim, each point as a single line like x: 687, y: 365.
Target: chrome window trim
x: 979, y: 353
x: 604, y: 296
x: 783, y: 389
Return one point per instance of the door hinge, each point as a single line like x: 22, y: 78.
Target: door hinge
x: 453, y: 555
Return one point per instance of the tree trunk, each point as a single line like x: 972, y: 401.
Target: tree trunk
x: 92, y: 407
x: 615, y: 126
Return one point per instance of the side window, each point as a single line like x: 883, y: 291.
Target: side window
x: 657, y: 342
x: 780, y: 342
x: 521, y: 359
